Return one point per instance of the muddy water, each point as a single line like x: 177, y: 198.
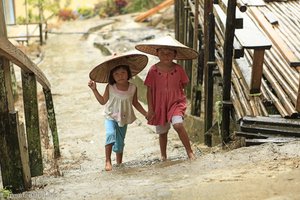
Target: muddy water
x: 79, y: 174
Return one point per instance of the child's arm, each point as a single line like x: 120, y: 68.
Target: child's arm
x: 101, y: 99
x: 150, y: 104
x: 138, y: 106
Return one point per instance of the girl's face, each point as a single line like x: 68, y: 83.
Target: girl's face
x: 166, y: 55
x: 120, y: 75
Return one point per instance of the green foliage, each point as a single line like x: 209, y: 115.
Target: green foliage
x: 141, y: 5
x: 86, y: 12
x: 5, y: 193
x: 32, y: 18
x: 106, y: 9
x: 116, y: 7
x: 21, y: 20
x: 46, y: 5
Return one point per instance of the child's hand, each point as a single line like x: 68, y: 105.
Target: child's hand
x: 92, y: 85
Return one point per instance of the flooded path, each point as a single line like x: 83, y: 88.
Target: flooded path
x: 214, y: 175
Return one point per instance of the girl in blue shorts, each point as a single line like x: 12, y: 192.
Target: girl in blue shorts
x: 119, y: 98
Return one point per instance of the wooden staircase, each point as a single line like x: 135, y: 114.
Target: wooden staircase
x: 259, y: 130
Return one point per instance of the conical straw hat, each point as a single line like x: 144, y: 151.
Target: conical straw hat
x: 136, y: 62
x: 183, y: 52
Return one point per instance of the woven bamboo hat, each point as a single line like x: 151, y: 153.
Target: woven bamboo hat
x: 136, y: 62
x: 183, y: 52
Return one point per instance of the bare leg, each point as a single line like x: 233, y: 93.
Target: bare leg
x: 119, y: 157
x: 163, y: 139
x: 108, y: 149
x: 184, y: 139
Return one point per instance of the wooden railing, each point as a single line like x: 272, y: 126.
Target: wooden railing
x: 255, y: 84
x: 20, y: 147
x: 27, y: 34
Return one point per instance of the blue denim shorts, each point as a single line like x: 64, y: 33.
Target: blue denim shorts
x: 115, y: 135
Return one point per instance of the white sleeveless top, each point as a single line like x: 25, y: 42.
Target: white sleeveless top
x: 119, y: 106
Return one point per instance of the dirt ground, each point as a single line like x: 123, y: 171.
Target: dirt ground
x: 269, y: 171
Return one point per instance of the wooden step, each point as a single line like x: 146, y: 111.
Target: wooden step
x: 277, y: 140
x: 271, y: 125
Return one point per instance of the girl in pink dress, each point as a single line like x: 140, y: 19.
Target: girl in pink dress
x: 165, y: 83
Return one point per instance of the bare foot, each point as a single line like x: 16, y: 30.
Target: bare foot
x: 163, y: 159
x: 108, y: 166
x: 192, y: 156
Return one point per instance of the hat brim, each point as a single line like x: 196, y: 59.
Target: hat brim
x: 136, y: 63
x: 182, y: 53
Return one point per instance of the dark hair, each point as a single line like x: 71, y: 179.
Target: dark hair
x: 111, y: 79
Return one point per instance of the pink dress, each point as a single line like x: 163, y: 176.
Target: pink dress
x: 168, y: 96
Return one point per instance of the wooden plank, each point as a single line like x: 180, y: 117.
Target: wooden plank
x: 13, y: 175
x: 271, y: 17
x: 10, y: 160
x: 251, y: 36
x: 154, y: 10
x: 245, y: 69
x: 257, y: 71
x: 253, y: 2
x: 289, y: 56
x: 252, y: 39
x: 220, y: 17
x: 251, y: 135
x: 24, y: 157
x: 32, y: 123
x: 12, y: 53
x: 6, y: 65
x: 269, y: 129
x: 11, y: 170
x: 239, y: 21
x: 279, y: 121
x: 52, y: 121
x: 250, y: 142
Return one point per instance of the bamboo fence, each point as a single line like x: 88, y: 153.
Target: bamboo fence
x: 280, y: 81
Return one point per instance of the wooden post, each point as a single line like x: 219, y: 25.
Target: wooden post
x: 228, y: 56
x: 10, y: 160
x: 257, y: 70
x: 209, y: 80
x: 11, y: 164
x: 200, y: 69
x: 181, y: 13
x: 177, y: 17
x: 41, y: 33
x: 24, y: 157
x: 52, y: 121
x: 11, y: 172
x: 208, y: 8
x: 16, y: 182
x: 194, y: 85
x: 32, y: 123
x: 188, y: 64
